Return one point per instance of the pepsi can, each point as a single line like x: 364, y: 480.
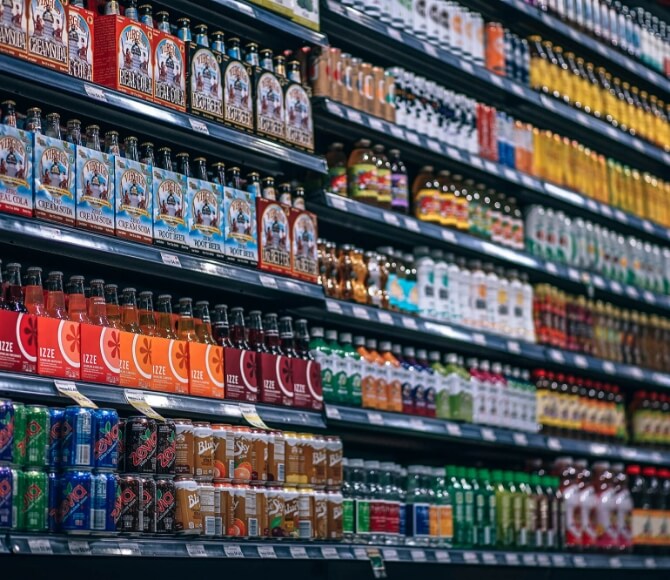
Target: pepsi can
x: 106, y: 439
x: 56, y: 416
x: 76, y: 498
x: 103, y: 489
x: 9, y: 494
x: 53, y: 509
x: 77, y: 437
x: 6, y: 431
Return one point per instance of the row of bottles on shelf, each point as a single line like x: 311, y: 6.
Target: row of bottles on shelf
x: 594, y: 90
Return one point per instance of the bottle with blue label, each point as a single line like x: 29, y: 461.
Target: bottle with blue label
x: 417, y: 508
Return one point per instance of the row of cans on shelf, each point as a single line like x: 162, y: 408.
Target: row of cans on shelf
x: 90, y: 502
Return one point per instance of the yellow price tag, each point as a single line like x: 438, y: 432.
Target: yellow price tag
x: 136, y: 400
x: 69, y: 389
x: 252, y: 417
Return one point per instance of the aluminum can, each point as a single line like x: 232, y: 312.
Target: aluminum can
x: 34, y: 501
x: 106, y: 439
x: 103, y: 489
x: 36, y: 436
x: 76, y: 501
x: 77, y: 437
x: 56, y: 417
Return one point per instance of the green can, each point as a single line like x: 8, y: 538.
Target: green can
x: 38, y: 425
x: 33, y: 500
x: 19, y: 434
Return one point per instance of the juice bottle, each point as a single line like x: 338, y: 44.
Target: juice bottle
x: 186, y: 324
x: 417, y: 378
x: 322, y: 354
x: 624, y: 509
x: 426, y: 196
x: 553, y: 539
x: 55, y: 296
x: 34, y: 292
x: 379, y: 374
x: 504, y: 522
x: 607, y: 537
x: 339, y: 367
x: 353, y: 366
x: 220, y: 327
x: 399, y: 184
x: 460, y: 202
x: 269, y: 334
x: 425, y: 274
x: 76, y: 305
x: 345, y: 273
x: 362, y: 173
x: 447, y: 201
x: 429, y: 382
x: 488, y: 537
x: 203, y: 323
x: 540, y: 525
x: 97, y: 308
x: 460, y: 392
x: 147, y: 319
x: 238, y: 335
x: 336, y: 182
x: 441, y: 386
x: 129, y: 315
x: 112, y: 306
x: 164, y: 327
x: 572, y: 520
x: 529, y: 518
x: 393, y: 377
x: 517, y: 504
x: 368, y: 380
x: 384, y: 191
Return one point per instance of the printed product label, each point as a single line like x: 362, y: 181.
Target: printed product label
x: 362, y: 516
x: 241, y: 229
x: 275, y: 237
x: 18, y: 337
x: 269, y: 106
x: 58, y: 352
x: 418, y: 519
x: 362, y: 179
x: 205, y: 235
x: 169, y: 72
x: 337, y: 180
x: 47, y: 33
x: 100, y: 351
x: 13, y: 27
x: 170, y: 365
x: 80, y: 43
x: 133, y: 200
x: 54, y: 180
x: 238, y: 107
x: 134, y: 60
x: 16, y: 171
x: 304, y: 254
x: 95, y: 190
x: 299, y: 124
x: 206, y: 89
x: 170, y: 209
x: 399, y: 190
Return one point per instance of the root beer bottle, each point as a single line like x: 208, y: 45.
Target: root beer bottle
x: 112, y: 306
x: 164, y: 310
x: 129, y: 315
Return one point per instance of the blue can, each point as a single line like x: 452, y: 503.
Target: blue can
x: 77, y: 437
x: 9, y: 490
x: 106, y: 439
x: 6, y: 431
x: 53, y: 510
x: 76, y: 501
x: 56, y: 416
x: 103, y: 488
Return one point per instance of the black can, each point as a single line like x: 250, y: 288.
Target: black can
x: 128, y: 506
x: 166, y: 448
x: 166, y: 505
x: 148, y: 505
x: 140, y: 445
x: 122, y: 445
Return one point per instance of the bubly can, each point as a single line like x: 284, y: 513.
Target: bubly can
x: 34, y: 504
x: 166, y: 448
x: 19, y: 446
x: 56, y: 418
x: 128, y: 506
x: 76, y: 501
x: 103, y: 489
x: 6, y: 432
x: 54, y: 504
x: 140, y: 439
x: 36, y: 438
x: 148, y: 505
x: 106, y: 439
x: 165, y: 505
x: 77, y: 437
x: 9, y: 504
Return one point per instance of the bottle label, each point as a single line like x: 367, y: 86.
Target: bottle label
x: 354, y: 392
x: 377, y: 517
x: 337, y: 180
x: 362, y: 181
x: 399, y: 191
x: 445, y: 523
x: 427, y: 205
x: 348, y: 516
x: 573, y: 518
x: 325, y: 361
x: 384, y: 186
x: 362, y: 516
x: 418, y: 519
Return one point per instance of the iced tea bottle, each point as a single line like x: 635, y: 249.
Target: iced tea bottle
x: 186, y: 325
x: 164, y: 327
x: 203, y: 323
x: 129, y: 314
x: 360, y: 270
x: 286, y: 337
x: 97, y: 309
x: 238, y: 332
x: 383, y: 177
x: 336, y: 181
x: 271, y: 327
x: 56, y: 296
x: 76, y: 304
x: 399, y: 184
x: 34, y: 292
x: 112, y: 306
x: 362, y: 173
x: 146, y: 314
x: 13, y: 292
x: 345, y: 273
x: 426, y: 196
x: 256, y: 333
x: 220, y: 327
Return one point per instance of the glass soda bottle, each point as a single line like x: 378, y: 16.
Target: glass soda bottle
x: 286, y: 337
x: 271, y: 329
x: 238, y: 331
x: 97, y: 308
x: 203, y: 323
x: 112, y: 306
x: 129, y: 315
x: 186, y: 325
x: 76, y: 305
x: 55, y: 296
x: 13, y: 292
x: 220, y: 327
x: 147, y: 318
x: 34, y: 292
x: 165, y: 327
x: 256, y: 332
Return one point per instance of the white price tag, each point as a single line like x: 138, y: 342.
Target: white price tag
x: 38, y: 546
x: 489, y: 559
x: 611, y: 132
x: 514, y: 347
x: 556, y: 356
x: 397, y: 132
x: 479, y: 338
x: 543, y: 560
x: 385, y: 318
x: 394, y: 33
x: 251, y: 416
x: 554, y: 444
x: 581, y: 361
x: 333, y: 413
x: 334, y: 307
x: 442, y: 556
x: 418, y: 555
x: 647, y: 226
x: 517, y: 89
x: 529, y: 560
x: 622, y: 217
x: 448, y: 236
x: 361, y: 554
x: 330, y: 553
x: 338, y: 202
x: 417, y: 424
x: 233, y: 551
x: 413, y: 138
x: 583, y: 120
x: 548, y: 103
x: 579, y: 561
x: 615, y: 562
x: 434, y: 145
x: 598, y: 282
x: 130, y: 549
x: 470, y: 558
x: 266, y: 552
x: 573, y: 275
x: 510, y: 174
x: 491, y: 167
x: 649, y: 297
x: 79, y: 547
x: 559, y: 560
x: 375, y: 418
x: 638, y: 145
x: 69, y: 389
x: 466, y: 66
x: 488, y: 434
x: 551, y: 268
x: 354, y: 116
x: 528, y: 181
x: 198, y: 126
x: 429, y: 49
x: 609, y: 367
x: 616, y: 287
x: 196, y: 550
x: 476, y: 161
x: 390, y: 554
x: 360, y: 312
x: 496, y: 80
x: 391, y: 219
x: 376, y: 124
x: 268, y: 281
x: 632, y: 292
x: 170, y: 259
x: 409, y: 323
x: 520, y: 439
x: 650, y: 563
x: 412, y: 225
x: 512, y: 559
x: 95, y: 92
x: 636, y: 372
x: 606, y: 210
x: 453, y: 429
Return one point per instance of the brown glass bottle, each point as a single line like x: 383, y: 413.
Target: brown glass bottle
x: 220, y: 328
x: 345, y: 273
x: 186, y: 324
x: 238, y: 330
x: 286, y: 337
x: 203, y: 323
x: 362, y: 173
x: 272, y: 334
x: 336, y: 181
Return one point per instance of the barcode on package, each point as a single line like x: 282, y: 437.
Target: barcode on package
x: 98, y: 519
x: 83, y: 455
x: 210, y: 526
x: 281, y: 472
x: 253, y: 527
x: 218, y: 526
x: 305, y: 530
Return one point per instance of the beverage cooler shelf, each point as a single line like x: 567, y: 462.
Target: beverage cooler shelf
x: 532, y: 17
x: 330, y: 115
x: 347, y: 25
x: 165, y: 125
x: 53, y: 545
x: 392, y: 225
x: 150, y: 260
x: 44, y: 389
x: 355, y: 418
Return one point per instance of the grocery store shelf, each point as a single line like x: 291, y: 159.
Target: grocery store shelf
x: 358, y: 32
x: 43, y: 389
x: 151, y: 260
x: 522, y: 442
x: 174, y: 547
x: 248, y: 20
x: 391, y: 225
x: 330, y: 115
x: 163, y: 125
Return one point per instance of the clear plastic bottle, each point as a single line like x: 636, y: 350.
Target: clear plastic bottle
x: 417, y: 507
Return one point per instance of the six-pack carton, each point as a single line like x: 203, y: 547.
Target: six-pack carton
x: 100, y: 354
x: 58, y: 348
x: 241, y: 230
x: 205, y: 230
x: 14, y: 28
x: 274, y: 236
x: 81, y: 38
x: 304, y: 258
x: 16, y: 171
x: 54, y: 182
x: 205, y: 85
x: 169, y: 70
x: 170, y: 365
x: 133, y: 203
x: 18, y: 342
x: 95, y: 190
x: 171, y: 209
x: 240, y: 374
x: 48, y: 34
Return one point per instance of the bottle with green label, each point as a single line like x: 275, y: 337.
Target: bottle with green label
x: 339, y: 366
x: 458, y: 504
x: 487, y: 531
x: 348, y: 504
x: 529, y: 512
x: 504, y: 527
x: 441, y: 386
x: 518, y: 500
x: 322, y: 354
x: 354, y: 365
x: 361, y: 497
x: 460, y: 394
x: 468, y: 507
x: 479, y: 520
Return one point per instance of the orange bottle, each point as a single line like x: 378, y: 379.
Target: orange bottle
x: 76, y: 305
x: 368, y: 379
x: 394, y: 377
x: 97, y: 309
x: 164, y: 309
x: 130, y: 321
x: 112, y: 306
x: 56, y: 296
x: 380, y: 374
x: 203, y: 323
x: 34, y: 292
x: 146, y: 314
x: 186, y: 327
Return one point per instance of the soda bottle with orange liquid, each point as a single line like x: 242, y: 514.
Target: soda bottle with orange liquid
x: 56, y: 296
x: 164, y: 309
x: 112, y: 306
x: 368, y: 381
x: 203, y: 323
x: 186, y: 326
x: 395, y: 377
x: 380, y: 374
x: 147, y: 319
x: 97, y: 308
x: 130, y: 320
x: 34, y: 292
x: 220, y: 327
x: 77, y: 300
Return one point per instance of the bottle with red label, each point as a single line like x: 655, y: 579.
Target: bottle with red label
x: 607, y: 538
x: 572, y: 510
x: 623, y: 501
x: 588, y: 503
